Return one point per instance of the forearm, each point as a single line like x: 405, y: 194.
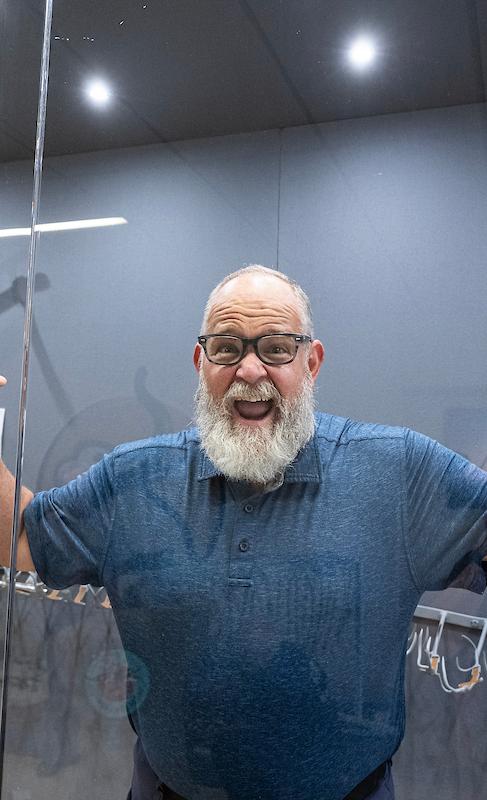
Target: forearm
x: 7, y: 492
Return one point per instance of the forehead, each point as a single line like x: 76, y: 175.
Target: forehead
x: 258, y: 300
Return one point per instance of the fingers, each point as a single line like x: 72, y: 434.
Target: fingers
x: 3, y: 380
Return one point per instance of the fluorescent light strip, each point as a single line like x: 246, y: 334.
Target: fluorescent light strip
x: 73, y: 225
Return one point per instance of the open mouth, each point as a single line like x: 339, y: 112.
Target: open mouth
x: 253, y: 409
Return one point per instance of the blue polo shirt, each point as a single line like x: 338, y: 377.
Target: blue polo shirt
x: 268, y: 631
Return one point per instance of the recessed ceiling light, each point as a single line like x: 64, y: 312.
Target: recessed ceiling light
x: 98, y: 92
x: 362, y: 52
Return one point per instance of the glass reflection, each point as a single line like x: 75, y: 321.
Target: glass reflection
x: 21, y: 37
x: 260, y: 571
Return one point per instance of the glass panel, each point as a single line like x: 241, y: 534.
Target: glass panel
x: 263, y: 617
x: 21, y: 38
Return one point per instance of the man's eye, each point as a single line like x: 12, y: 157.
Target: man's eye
x: 227, y: 348
x: 277, y: 349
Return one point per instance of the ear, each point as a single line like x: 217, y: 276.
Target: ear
x: 198, y: 352
x: 316, y: 356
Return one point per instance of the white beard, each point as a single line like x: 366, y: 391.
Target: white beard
x: 260, y: 454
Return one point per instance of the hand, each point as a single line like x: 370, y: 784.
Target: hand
x: 3, y: 380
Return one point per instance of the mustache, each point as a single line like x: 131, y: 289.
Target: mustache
x: 242, y: 391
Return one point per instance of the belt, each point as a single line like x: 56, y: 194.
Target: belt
x: 362, y: 790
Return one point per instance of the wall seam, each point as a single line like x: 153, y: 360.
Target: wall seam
x: 279, y: 180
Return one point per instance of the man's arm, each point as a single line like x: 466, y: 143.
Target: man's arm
x: 7, y: 491
x: 447, y: 511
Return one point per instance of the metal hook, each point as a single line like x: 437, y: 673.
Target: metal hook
x: 437, y: 664
x: 432, y: 652
x: 466, y: 669
x: 462, y: 687
x: 443, y: 679
x: 475, y: 669
x: 422, y: 667
x: 414, y: 639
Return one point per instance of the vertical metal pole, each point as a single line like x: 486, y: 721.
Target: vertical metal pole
x: 39, y: 152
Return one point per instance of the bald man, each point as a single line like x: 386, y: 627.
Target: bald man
x: 263, y: 567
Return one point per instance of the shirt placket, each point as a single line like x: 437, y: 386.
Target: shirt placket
x: 243, y: 543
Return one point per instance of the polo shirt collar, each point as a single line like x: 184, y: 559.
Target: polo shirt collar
x: 305, y: 469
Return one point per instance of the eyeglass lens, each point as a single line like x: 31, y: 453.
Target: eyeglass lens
x: 278, y: 349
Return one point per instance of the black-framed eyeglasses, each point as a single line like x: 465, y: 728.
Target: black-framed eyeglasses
x: 273, y: 349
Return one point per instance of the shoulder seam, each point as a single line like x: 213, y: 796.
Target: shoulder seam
x: 339, y: 440
x: 161, y: 446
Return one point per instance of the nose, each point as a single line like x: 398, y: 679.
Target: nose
x: 251, y: 369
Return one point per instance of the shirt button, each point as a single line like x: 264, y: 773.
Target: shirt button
x: 243, y: 545
x: 248, y: 508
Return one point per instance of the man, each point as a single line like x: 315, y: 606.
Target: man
x: 264, y: 567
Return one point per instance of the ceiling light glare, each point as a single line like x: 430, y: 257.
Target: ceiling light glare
x: 98, y: 92
x: 69, y: 225
x: 362, y: 53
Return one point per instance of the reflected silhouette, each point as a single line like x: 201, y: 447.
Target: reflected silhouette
x: 15, y: 294
x: 152, y: 404
x: 95, y: 430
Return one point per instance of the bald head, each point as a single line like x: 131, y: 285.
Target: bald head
x: 256, y: 285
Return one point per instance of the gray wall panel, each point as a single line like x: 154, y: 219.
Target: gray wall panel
x: 385, y: 221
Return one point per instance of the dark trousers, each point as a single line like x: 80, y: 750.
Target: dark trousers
x: 145, y: 783
x: 385, y: 788
x: 147, y: 786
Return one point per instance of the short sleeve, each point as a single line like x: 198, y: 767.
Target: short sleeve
x: 69, y: 528
x: 447, y: 511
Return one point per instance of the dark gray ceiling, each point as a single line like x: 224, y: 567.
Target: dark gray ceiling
x: 183, y: 69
